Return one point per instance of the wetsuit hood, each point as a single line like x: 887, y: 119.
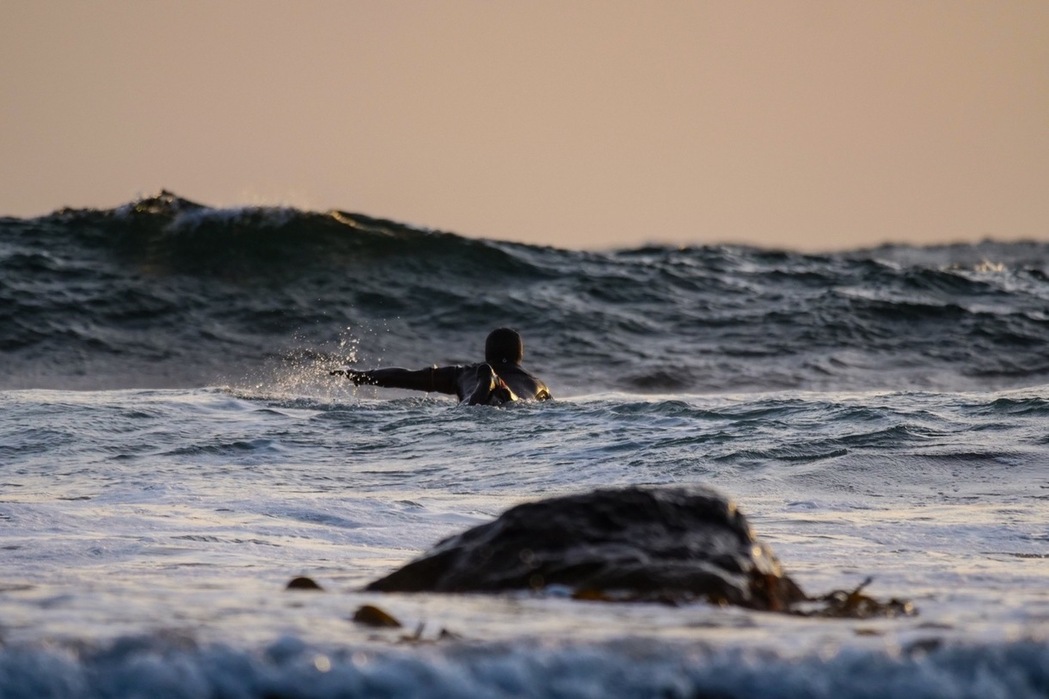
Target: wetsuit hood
x: 503, y: 346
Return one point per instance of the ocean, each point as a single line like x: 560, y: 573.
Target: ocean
x: 173, y: 452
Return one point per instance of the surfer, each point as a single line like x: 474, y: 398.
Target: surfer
x: 499, y: 379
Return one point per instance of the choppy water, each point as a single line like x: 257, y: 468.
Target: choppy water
x: 172, y: 452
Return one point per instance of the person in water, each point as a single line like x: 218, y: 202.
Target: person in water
x: 499, y: 379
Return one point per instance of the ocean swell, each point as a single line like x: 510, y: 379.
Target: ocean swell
x: 164, y: 292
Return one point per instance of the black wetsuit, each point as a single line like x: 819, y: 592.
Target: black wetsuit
x: 474, y: 384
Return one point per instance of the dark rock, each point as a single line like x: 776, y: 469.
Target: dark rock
x: 373, y: 616
x: 659, y: 543
x: 303, y: 583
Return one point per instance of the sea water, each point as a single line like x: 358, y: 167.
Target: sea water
x: 173, y: 452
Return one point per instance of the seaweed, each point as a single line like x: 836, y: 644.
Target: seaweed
x: 853, y: 604
x: 837, y: 604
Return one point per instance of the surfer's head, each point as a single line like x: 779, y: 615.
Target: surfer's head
x: 503, y: 346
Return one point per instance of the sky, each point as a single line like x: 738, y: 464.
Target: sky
x: 811, y: 125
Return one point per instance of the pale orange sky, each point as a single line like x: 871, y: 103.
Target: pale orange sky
x: 812, y: 125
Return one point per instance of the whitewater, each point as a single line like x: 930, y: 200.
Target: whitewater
x: 173, y: 452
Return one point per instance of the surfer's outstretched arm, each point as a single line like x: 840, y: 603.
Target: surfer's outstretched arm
x: 438, y: 379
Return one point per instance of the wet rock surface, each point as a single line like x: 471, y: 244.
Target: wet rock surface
x: 659, y: 543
